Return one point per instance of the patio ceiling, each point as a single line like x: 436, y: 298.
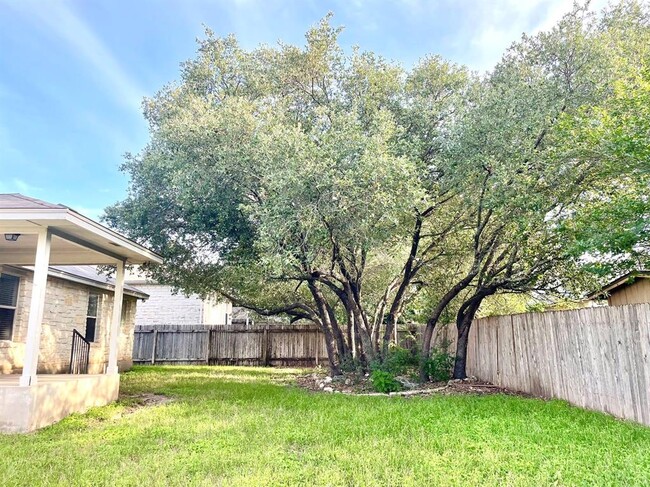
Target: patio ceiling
x: 76, y: 240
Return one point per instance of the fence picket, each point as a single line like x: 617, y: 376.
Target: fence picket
x: 261, y: 344
x: 598, y: 358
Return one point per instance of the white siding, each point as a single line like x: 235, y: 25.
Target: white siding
x: 164, y: 307
x: 216, y: 313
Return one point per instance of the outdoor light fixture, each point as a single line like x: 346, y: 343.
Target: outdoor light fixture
x: 12, y: 237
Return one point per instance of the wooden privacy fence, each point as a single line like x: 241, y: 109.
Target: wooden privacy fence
x: 270, y: 344
x: 597, y: 358
x: 238, y: 344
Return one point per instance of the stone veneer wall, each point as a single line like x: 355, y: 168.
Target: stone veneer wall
x: 66, y: 304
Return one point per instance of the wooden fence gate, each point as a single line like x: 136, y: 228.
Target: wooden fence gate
x: 270, y: 344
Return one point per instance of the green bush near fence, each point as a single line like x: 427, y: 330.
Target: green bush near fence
x: 406, y: 362
x: 384, y: 381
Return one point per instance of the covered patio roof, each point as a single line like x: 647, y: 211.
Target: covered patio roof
x: 76, y: 239
x: 40, y: 234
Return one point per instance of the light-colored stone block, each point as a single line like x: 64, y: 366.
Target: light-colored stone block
x: 52, y: 398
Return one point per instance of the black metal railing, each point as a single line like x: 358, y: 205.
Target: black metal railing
x: 80, y: 354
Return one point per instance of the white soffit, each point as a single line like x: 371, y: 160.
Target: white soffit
x: 76, y: 239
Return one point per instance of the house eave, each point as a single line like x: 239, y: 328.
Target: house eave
x: 620, y: 282
x: 98, y: 285
x: 66, y: 276
x: 66, y: 221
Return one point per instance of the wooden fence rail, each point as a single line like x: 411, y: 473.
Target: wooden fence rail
x: 239, y: 344
x: 597, y: 358
x: 261, y: 344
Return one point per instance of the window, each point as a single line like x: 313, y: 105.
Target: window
x: 8, y: 296
x: 91, y: 317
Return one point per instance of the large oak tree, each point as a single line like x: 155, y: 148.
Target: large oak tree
x: 337, y: 187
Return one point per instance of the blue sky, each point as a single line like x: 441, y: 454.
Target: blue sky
x: 73, y: 73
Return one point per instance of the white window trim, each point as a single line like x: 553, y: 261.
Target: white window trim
x: 95, y: 334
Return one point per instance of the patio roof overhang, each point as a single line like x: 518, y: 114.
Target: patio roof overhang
x: 76, y: 240
x: 34, y: 232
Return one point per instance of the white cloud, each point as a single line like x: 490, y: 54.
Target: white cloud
x: 498, y: 23
x: 62, y: 21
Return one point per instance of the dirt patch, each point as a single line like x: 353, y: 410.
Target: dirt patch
x: 147, y: 399
x: 360, y: 385
x: 474, y: 386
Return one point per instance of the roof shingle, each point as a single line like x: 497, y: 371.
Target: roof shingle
x: 15, y: 201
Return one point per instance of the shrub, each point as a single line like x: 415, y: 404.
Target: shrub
x: 384, y: 382
x: 352, y: 366
x: 398, y: 361
x: 438, y: 366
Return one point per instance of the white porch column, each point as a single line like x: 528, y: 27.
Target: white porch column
x: 36, y: 306
x: 116, y: 319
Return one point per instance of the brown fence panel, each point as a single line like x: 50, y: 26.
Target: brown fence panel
x: 597, y: 358
x: 259, y: 344
x: 239, y: 344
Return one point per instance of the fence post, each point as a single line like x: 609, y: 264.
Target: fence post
x: 207, y: 347
x: 265, y: 346
x: 317, y: 345
x: 153, y: 347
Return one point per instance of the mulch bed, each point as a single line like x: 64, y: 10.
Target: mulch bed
x: 355, y: 384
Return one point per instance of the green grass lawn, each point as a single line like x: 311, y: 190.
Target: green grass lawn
x: 246, y: 426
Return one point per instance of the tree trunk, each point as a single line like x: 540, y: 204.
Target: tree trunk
x: 352, y: 339
x: 428, y: 334
x: 435, y: 316
x: 361, y: 323
x: 358, y: 343
x: 460, y: 362
x: 332, y: 354
x: 407, y: 276
x: 342, y: 347
x: 464, y: 320
x: 326, y: 325
x: 363, y: 349
x: 391, y: 323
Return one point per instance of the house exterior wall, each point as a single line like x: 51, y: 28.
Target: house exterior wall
x: 636, y: 293
x: 65, y: 310
x: 166, y: 308
x: 217, y: 312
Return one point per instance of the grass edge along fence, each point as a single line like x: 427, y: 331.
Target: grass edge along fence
x: 597, y: 358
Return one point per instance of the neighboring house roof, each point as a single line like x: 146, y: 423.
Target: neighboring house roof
x: 76, y: 239
x: 88, y: 275
x: 135, y: 276
x: 624, y: 280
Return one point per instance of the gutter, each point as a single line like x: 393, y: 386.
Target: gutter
x: 136, y: 293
